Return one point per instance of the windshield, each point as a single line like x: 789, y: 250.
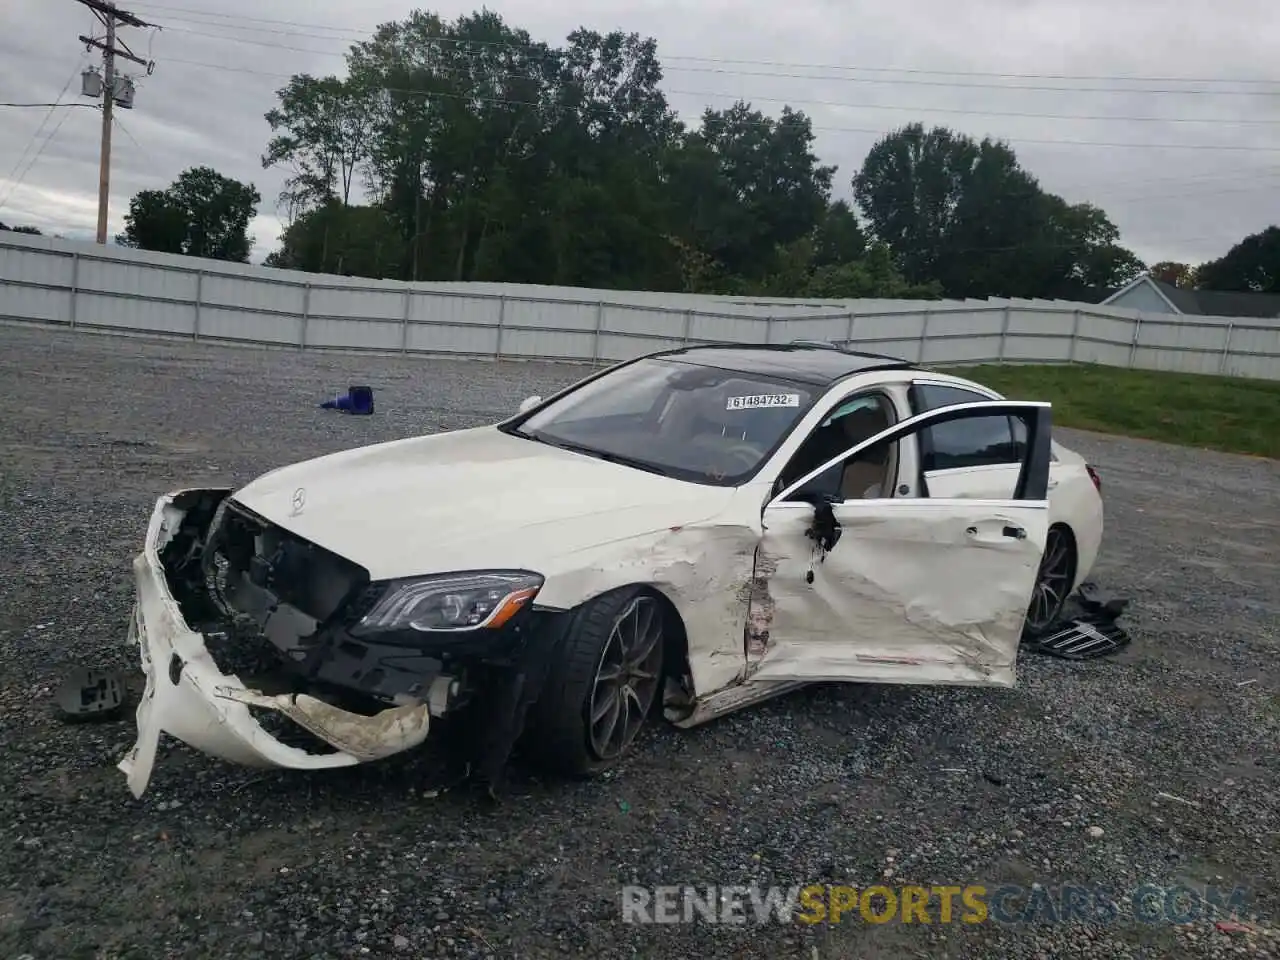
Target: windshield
x: 696, y: 423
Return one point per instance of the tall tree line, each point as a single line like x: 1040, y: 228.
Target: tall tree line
x: 482, y: 154
x: 465, y: 150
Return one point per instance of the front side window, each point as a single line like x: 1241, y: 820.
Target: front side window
x: 971, y: 442
x: 854, y: 421
x: 675, y: 418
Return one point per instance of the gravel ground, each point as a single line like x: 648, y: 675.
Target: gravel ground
x: 833, y: 784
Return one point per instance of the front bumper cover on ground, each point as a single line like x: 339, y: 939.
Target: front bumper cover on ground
x: 189, y: 697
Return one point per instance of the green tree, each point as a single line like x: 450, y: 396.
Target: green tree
x: 610, y: 132
x: 800, y: 271
x: 766, y: 186
x: 499, y: 158
x: 909, y: 188
x: 1084, y: 251
x: 873, y: 275
x: 966, y: 214
x: 322, y: 133
x: 458, y: 131
x: 1253, y: 264
x: 1173, y: 273
x: 201, y: 214
x: 356, y: 241
x: 155, y: 222
x: 28, y: 230
x: 464, y: 150
x: 838, y: 237
x: 999, y: 242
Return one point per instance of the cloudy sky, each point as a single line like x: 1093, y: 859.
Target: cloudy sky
x: 1164, y: 112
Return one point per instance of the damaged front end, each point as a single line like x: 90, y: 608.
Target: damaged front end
x: 264, y: 649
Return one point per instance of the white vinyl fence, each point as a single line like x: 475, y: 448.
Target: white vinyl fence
x: 111, y: 289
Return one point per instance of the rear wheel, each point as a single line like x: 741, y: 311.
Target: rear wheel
x: 1054, y: 579
x: 603, y: 684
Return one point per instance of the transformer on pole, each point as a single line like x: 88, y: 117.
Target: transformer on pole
x: 114, y: 89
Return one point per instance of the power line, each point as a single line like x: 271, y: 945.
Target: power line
x: 1166, y: 196
x: 879, y: 131
x: 911, y: 108
x: 175, y: 13
x: 36, y: 156
x: 46, y: 105
x: 1192, y: 178
x: 145, y: 154
x: 1139, y: 182
x: 366, y: 35
x: 667, y: 67
x: 952, y: 85
x: 1093, y: 118
x: 14, y: 179
x: 125, y: 130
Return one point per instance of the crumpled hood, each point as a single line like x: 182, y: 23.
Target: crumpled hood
x: 469, y: 499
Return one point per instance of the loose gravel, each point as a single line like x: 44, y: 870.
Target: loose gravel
x: 1159, y: 766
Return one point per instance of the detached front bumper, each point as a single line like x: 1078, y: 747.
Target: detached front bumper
x: 189, y: 697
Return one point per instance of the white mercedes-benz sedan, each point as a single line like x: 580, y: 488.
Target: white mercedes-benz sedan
x: 693, y: 531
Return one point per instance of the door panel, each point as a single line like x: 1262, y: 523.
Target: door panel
x: 914, y: 591
x: 927, y: 590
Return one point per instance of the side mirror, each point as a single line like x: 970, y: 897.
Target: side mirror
x: 528, y: 403
x: 826, y: 528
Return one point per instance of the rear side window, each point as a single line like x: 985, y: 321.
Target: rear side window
x: 974, y: 442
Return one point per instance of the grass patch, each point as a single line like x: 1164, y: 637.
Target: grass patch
x: 1232, y: 414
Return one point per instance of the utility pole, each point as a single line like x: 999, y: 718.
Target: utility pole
x: 104, y: 154
x: 114, y: 90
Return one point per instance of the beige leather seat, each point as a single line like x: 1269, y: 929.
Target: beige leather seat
x: 864, y: 476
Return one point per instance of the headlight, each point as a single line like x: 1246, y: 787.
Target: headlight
x: 455, y: 601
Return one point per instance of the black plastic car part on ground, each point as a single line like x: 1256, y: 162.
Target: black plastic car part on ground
x: 1087, y: 627
x: 92, y: 694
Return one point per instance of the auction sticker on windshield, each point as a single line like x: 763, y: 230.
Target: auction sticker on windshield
x: 764, y: 400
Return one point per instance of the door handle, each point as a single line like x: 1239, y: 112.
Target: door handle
x: 988, y: 531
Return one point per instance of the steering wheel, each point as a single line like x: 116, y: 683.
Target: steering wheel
x: 747, y: 454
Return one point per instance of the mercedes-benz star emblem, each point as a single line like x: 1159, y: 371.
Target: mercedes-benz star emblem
x: 299, y: 500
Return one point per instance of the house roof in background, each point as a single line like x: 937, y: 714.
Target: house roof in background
x: 1225, y: 303
x: 1208, y: 303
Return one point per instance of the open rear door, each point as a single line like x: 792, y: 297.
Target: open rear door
x: 902, y: 590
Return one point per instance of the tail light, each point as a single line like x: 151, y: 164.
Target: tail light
x: 1093, y: 475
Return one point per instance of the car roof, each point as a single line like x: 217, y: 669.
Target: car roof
x: 813, y: 364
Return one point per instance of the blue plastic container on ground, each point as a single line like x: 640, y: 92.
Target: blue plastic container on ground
x: 357, y: 400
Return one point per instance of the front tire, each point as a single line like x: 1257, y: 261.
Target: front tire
x: 603, y: 683
x: 1054, y: 581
